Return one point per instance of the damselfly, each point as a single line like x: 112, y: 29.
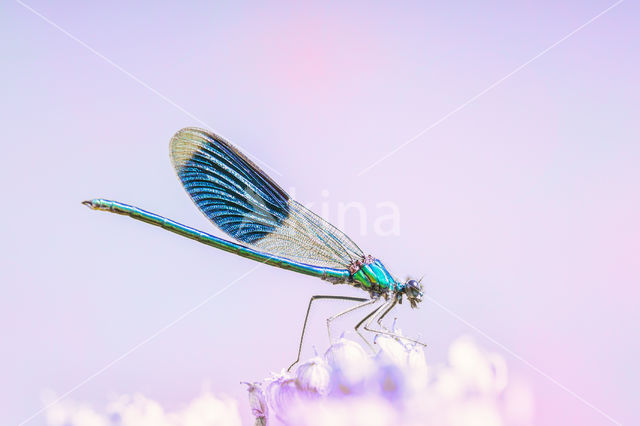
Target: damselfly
x: 273, y: 228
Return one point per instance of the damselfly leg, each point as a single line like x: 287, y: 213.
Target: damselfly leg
x: 306, y: 317
x: 366, y: 302
x: 371, y: 315
x: 384, y: 311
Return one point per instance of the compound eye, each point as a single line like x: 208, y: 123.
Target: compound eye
x: 413, y: 288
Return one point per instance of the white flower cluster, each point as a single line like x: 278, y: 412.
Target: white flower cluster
x: 137, y: 410
x: 344, y: 387
x: 348, y: 387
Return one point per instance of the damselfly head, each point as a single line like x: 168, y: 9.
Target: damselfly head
x: 413, y: 290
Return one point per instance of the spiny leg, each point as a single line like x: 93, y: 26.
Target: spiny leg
x: 306, y: 318
x: 394, y: 335
x: 386, y: 311
x: 387, y: 333
x: 371, y: 315
x: 367, y: 302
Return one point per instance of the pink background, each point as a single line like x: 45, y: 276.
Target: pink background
x: 521, y: 210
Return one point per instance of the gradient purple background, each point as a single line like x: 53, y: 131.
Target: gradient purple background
x: 521, y: 210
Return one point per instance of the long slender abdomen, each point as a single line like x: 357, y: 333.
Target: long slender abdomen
x: 328, y: 274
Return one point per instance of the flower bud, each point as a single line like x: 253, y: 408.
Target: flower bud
x: 313, y: 376
x: 282, y: 394
x: 350, y: 367
x: 391, y: 351
x: 257, y: 403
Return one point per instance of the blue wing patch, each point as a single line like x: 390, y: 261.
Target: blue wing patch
x: 248, y: 205
x: 229, y: 189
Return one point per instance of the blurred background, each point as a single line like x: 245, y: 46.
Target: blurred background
x: 519, y: 209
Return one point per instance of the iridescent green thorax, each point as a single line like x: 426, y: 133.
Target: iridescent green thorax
x: 372, y: 275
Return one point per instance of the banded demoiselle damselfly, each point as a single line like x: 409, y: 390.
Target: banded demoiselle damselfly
x: 274, y: 229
